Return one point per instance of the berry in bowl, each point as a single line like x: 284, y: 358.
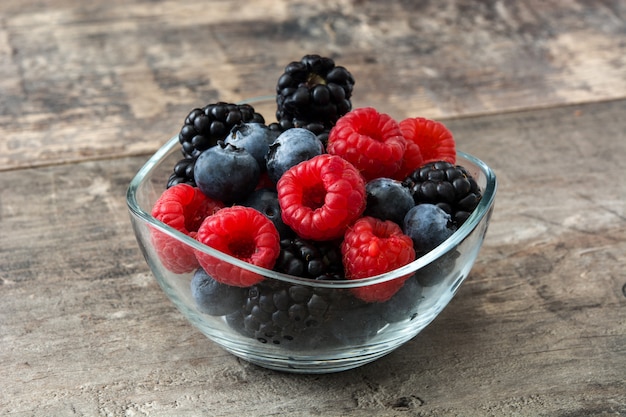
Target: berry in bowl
x: 319, y: 242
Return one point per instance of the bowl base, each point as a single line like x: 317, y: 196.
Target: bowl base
x: 302, y: 364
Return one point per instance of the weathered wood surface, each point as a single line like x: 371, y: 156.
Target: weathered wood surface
x: 536, y: 89
x: 538, y: 329
x: 81, y: 80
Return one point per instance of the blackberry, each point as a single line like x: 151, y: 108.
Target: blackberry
x: 291, y: 315
x: 445, y: 185
x: 202, y: 128
x: 182, y: 173
x: 313, y: 93
x: 315, y: 260
x: 294, y: 315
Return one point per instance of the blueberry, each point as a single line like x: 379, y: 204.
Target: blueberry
x: 255, y: 138
x: 439, y: 270
x: 388, y: 199
x: 293, y: 146
x: 265, y: 200
x: 226, y: 173
x: 403, y: 305
x: 215, y: 298
x: 355, y: 322
x: 428, y: 226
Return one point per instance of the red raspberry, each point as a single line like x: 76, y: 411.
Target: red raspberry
x: 372, y: 247
x: 321, y: 197
x: 435, y: 141
x: 371, y: 141
x: 412, y: 160
x: 183, y: 208
x: 241, y: 232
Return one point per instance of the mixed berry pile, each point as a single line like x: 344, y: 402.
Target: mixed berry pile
x: 327, y: 192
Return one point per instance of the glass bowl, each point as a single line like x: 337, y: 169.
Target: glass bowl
x: 345, y: 333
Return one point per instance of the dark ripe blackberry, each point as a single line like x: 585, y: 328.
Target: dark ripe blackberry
x: 183, y: 173
x: 204, y: 127
x: 287, y: 314
x: 307, y: 259
x: 290, y: 314
x: 446, y: 185
x: 313, y: 90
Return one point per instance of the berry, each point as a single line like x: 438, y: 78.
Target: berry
x: 411, y: 160
x: 388, y: 199
x: 434, y: 140
x: 241, y: 232
x: 440, y: 270
x: 204, y: 127
x: 307, y: 259
x: 289, y: 315
x: 226, y: 173
x: 371, y: 141
x: 265, y: 200
x: 428, y: 226
x: 213, y: 297
x: 183, y: 208
x: 372, y: 247
x: 404, y: 304
x: 448, y: 186
x: 355, y: 322
x: 255, y: 138
x: 321, y: 197
x: 313, y: 91
x: 290, y: 148
x: 183, y: 173
x: 320, y: 131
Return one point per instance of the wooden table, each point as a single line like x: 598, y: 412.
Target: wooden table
x: 537, y: 89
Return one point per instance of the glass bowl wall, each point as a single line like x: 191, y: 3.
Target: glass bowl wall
x: 351, y: 334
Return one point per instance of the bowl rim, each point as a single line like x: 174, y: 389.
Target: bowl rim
x: 483, y: 208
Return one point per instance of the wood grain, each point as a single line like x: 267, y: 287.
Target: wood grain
x: 538, y: 329
x: 91, y: 80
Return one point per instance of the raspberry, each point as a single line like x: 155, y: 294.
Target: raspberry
x: 434, y: 140
x: 372, y: 247
x: 241, y: 232
x: 321, y: 197
x: 183, y: 208
x: 412, y: 159
x: 371, y: 141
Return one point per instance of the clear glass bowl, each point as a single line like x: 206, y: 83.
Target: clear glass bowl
x: 352, y: 333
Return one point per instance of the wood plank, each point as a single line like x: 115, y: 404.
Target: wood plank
x: 87, y: 80
x: 537, y: 329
